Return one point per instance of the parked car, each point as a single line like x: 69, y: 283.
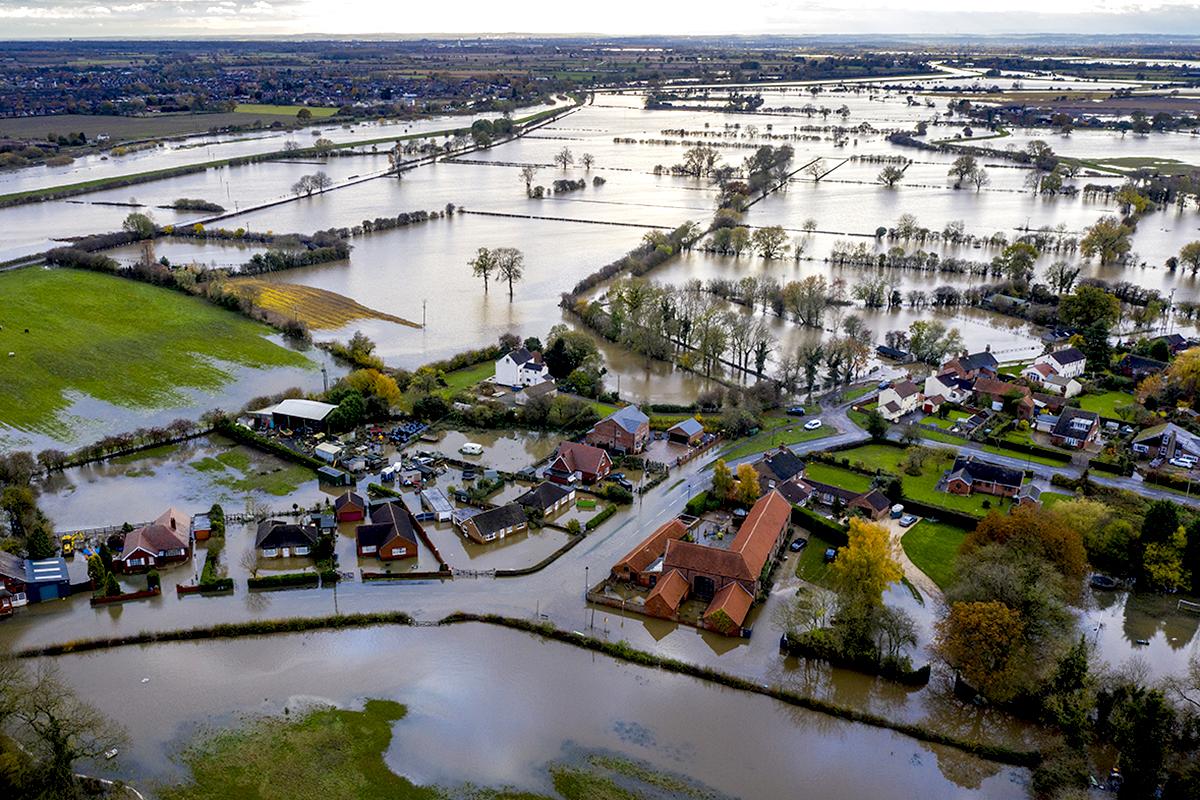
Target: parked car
x: 830, y: 555
x: 812, y: 424
x: 883, y: 385
x: 1183, y: 462
x: 624, y: 483
x: 798, y: 545
x: 796, y: 411
x: 906, y: 520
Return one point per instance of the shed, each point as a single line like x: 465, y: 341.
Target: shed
x: 687, y: 431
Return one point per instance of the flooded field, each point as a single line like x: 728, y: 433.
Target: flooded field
x: 555, y: 701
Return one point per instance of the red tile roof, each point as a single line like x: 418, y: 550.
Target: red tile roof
x: 734, y: 600
x: 582, y: 457
x: 171, y: 531
x: 760, y: 532
x: 707, y: 560
x: 667, y: 594
x: 652, y: 546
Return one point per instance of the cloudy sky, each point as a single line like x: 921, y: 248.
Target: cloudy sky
x: 79, y: 18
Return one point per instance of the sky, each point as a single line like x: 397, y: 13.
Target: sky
x: 176, y: 18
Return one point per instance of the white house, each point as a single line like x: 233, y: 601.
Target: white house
x: 1038, y: 373
x: 1068, y: 362
x: 898, y: 400
x: 520, y: 368
x: 1062, y: 385
x: 949, y: 386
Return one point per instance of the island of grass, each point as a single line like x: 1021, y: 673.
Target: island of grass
x: 122, y: 342
x: 339, y: 753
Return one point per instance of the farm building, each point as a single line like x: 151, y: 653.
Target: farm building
x: 295, y: 414
x: 687, y: 431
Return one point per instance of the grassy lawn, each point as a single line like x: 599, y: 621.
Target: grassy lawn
x: 467, y: 377
x: 853, y: 394
x: 1105, y: 404
x: 922, y: 487
x: 1050, y: 498
x: 604, y: 409
x: 937, y: 436
x: 287, y: 111
x: 1012, y: 369
x: 837, y: 476
x: 116, y: 340
x: 933, y: 546
x: 811, y: 565
x: 243, y: 470
x: 774, y: 437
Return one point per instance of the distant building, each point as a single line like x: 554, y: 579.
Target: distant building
x: 520, y: 368
x: 1139, y: 367
x: 296, y: 414
x: 973, y: 365
x: 626, y: 430
x: 167, y: 540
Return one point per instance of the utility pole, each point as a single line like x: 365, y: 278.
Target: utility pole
x: 423, y: 304
x: 325, y: 377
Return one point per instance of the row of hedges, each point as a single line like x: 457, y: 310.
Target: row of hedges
x: 622, y: 651
x: 597, y: 520
x: 955, y: 517
x: 240, y: 433
x: 1160, y: 478
x: 820, y: 647
x: 1111, y: 467
x: 287, y: 580
x: 1033, y: 450
x: 225, y: 630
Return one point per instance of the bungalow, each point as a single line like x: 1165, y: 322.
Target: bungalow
x: 1139, y: 367
x: 1175, y: 342
x: 546, y: 389
x: 969, y: 476
x: 973, y: 365
x: 167, y: 540
x: 995, y: 394
x: 390, y: 535
x: 279, y: 539
x: 687, y: 431
x: 495, y: 523
x: 949, y: 386
x: 547, y: 498
x: 873, y: 505
x: 898, y: 400
x: 1069, y: 362
x: 626, y: 430
x: 643, y: 564
x: 578, y: 462
x: 829, y: 495
x: 350, y: 507
x: 521, y: 367
x: 296, y: 414
x: 1166, y: 441
x: 1030, y: 495
x: 776, y: 467
x: 1076, y: 428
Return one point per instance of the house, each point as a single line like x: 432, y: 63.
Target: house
x: 973, y: 365
x: 796, y: 491
x: 1029, y: 495
x: 643, y: 564
x: 626, y: 430
x: 948, y: 385
x: 547, y: 498
x: 350, y: 507
x: 201, y: 527
x: 439, y: 506
x: 931, y: 405
x: 1069, y: 362
x: 1063, y: 386
x: 1075, y: 428
x: 1037, y: 373
x: 495, y: 523
x: 546, y: 389
x: 873, y: 505
x: 1139, y: 367
x: 1174, y: 342
x: 296, y: 414
x: 666, y: 596
x: 970, y: 476
x: 12, y: 577
x: 996, y: 395
x: 827, y: 494
x: 898, y: 400
x: 1165, y: 441
x: 279, y: 539
x: 167, y: 540
x: 520, y: 368
x: 687, y: 431
x: 578, y: 462
x: 390, y: 535
x: 728, y: 610
x: 776, y: 467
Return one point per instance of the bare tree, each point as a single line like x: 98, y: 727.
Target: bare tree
x: 587, y: 159
x: 250, y: 562
x: 980, y: 178
x: 564, y: 158
x: 528, y: 172
x: 510, y: 266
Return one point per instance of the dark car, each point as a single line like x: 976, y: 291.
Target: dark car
x: 796, y: 411
x: 624, y: 483
x: 830, y: 555
x: 798, y: 545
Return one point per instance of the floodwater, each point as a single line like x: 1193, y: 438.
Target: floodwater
x: 515, y: 703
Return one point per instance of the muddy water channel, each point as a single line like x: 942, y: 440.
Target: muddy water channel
x: 493, y: 707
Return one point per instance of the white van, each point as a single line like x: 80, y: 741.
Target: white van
x: 471, y: 449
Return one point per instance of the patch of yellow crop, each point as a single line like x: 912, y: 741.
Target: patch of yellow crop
x: 316, y: 308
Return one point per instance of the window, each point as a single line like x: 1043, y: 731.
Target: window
x: 302, y: 551
x: 369, y: 549
x: 270, y: 552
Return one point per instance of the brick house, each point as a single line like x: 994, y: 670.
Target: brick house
x: 994, y: 394
x: 495, y: 523
x: 350, y: 507
x: 576, y: 462
x: 969, y: 476
x: 626, y: 430
x: 1075, y: 429
x: 874, y: 505
x: 278, y: 539
x: 390, y: 535
x: 643, y: 564
x: 167, y: 540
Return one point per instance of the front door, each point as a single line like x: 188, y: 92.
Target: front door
x: 703, y: 587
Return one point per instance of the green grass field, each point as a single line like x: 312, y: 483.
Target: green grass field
x: 125, y: 343
x: 467, y: 377
x: 922, y: 488
x: 244, y: 470
x: 774, y: 437
x: 933, y: 547
x: 837, y: 476
x: 285, y: 111
x: 811, y: 565
x: 1105, y: 403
